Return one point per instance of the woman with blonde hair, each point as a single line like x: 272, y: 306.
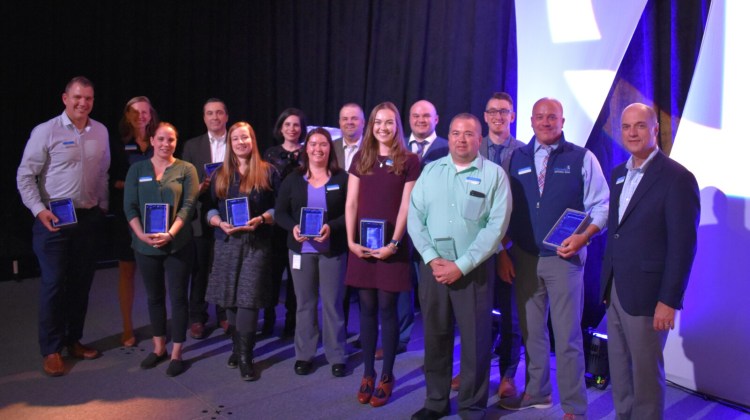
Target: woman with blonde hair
x: 240, y: 278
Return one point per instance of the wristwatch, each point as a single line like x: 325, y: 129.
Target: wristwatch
x: 394, y: 243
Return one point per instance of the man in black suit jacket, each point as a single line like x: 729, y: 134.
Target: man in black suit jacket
x: 207, y: 148
x: 352, y: 124
x: 651, y: 242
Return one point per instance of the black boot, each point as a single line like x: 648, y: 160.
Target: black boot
x: 247, y: 344
x: 234, y: 358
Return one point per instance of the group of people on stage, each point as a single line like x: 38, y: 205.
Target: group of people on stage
x: 464, y: 221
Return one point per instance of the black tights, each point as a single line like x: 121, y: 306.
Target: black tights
x: 371, y: 302
x: 244, y: 319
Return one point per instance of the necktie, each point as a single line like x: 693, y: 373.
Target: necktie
x: 543, y: 173
x: 497, y: 153
x: 420, y: 147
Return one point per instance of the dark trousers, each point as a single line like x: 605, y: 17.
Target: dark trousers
x: 467, y: 303
x: 509, y: 349
x: 67, y: 260
x: 177, y: 269
x: 202, y: 247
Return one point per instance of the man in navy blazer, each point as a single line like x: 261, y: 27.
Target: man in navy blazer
x: 207, y: 148
x: 651, y: 243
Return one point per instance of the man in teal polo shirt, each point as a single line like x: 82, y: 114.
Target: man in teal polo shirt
x: 459, y: 212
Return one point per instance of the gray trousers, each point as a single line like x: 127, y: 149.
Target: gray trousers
x: 545, y: 284
x: 467, y: 303
x: 636, y: 363
x: 324, y: 275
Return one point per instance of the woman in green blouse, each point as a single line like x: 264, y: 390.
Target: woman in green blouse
x: 166, y: 180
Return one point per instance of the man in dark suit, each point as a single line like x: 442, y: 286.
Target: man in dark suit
x: 423, y: 141
x: 207, y: 148
x: 352, y: 124
x: 651, y: 242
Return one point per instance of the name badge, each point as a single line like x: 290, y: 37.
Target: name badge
x: 389, y: 162
x: 334, y: 187
x: 524, y: 171
x: 565, y: 170
x: 131, y: 147
x: 145, y: 179
x: 69, y: 143
x: 473, y: 180
x: 620, y: 180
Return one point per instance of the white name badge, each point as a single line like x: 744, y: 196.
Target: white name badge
x: 145, y: 179
x: 620, y: 180
x: 473, y: 180
x: 524, y: 171
x: 334, y: 187
x: 131, y: 147
x: 296, y: 262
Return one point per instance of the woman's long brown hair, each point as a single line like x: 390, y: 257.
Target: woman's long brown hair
x: 370, y: 146
x: 256, y: 176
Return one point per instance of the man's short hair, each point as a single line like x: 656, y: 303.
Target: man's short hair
x: 467, y: 116
x: 503, y: 97
x: 81, y: 80
x: 214, y: 100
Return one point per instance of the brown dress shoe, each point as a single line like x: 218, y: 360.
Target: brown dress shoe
x: 365, y: 389
x: 379, y: 354
x: 507, y: 388
x: 197, y: 330
x: 383, y: 391
x: 79, y: 351
x: 53, y: 365
x: 456, y: 382
x: 224, y: 326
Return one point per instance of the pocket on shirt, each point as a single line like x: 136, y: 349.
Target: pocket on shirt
x: 473, y: 207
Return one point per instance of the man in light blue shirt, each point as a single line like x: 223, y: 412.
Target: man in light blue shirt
x: 66, y: 157
x: 459, y: 212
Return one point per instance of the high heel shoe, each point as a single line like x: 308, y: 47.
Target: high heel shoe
x: 383, y: 391
x: 128, y: 339
x: 365, y: 389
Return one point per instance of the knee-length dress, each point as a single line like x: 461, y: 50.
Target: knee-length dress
x: 380, y: 195
x: 241, y: 271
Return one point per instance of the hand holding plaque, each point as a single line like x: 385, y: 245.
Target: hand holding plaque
x: 311, y: 221
x: 64, y: 210
x: 372, y: 233
x: 155, y: 218
x: 569, y: 223
x: 238, y: 211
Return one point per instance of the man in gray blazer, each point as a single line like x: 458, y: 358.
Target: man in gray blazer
x: 352, y: 124
x: 209, y: 147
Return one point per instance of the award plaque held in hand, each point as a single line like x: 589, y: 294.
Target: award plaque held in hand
x: 64, y: 210
x: 372, y: 233
x: 210, y: 168
x: 155, y: 218
x: 311, y: 221
x: 570, y: 222
x: 238, y: 211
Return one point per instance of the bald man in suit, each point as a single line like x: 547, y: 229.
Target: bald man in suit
x: 651, y: 243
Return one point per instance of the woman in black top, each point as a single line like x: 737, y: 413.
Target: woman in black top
x: 317, y: 253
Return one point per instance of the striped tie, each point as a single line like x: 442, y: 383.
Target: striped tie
x: 543, y: 173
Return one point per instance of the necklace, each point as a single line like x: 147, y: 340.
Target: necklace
x: 382, y: 162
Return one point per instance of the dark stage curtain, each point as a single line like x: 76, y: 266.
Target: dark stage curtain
x: 657, y: 70
x: 260, y: 57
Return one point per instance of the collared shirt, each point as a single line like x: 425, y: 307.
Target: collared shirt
x: 61, y: 161
x: 595, y: 188
x: 471, y: 206
x: 218, y: 147
x: 505, y: 150
x: 428, y: 142
x: 349, y: 151
x: 632, y: 179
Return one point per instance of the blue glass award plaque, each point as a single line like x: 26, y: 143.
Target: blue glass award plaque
x: 570, y: 222
x: 238, y: 212
x: 210, y: 168
x: 64, y: 210
x: 155, y: 218
x: 372, y: 233
x: 311, y: 221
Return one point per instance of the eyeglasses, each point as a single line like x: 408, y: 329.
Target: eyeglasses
x: 493, y: 111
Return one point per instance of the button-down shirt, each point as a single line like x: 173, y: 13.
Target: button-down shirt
x: 218, y: 147
x: 471, y: 206
x: 632, y: 179
x: 61, y: 161
x: 349, y: 151
x: 428, y: 142
x: 595, y: 188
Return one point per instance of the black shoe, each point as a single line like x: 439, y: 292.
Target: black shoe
x: 246, y: 343
x: 427, y: 414
x: 302, y: 367
x: 234, y: 358
x: 338, y: 370
x: 153, y: 359
x: 176, y: 367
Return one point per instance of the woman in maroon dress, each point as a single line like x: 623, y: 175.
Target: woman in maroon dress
x: 381, y: 178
